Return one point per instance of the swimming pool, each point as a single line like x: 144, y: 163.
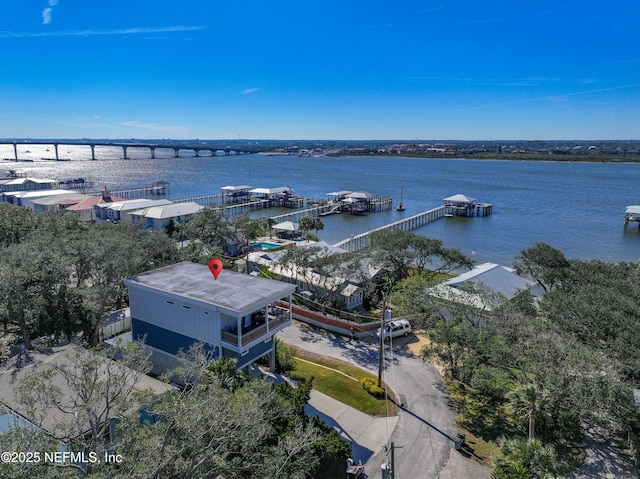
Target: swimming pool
x: 267, y: 246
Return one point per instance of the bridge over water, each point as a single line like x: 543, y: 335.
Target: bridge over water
x: 177, y: 147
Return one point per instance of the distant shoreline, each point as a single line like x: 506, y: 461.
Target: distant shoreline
x: 574, y: 158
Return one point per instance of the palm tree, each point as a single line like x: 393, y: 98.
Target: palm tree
x: 528, y: 400
x: 270, y: 222
x: 318, y: 224
x: 306, y: 224
x: 524, y: 459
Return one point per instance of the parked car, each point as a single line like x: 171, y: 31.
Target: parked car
x: 393, y: 329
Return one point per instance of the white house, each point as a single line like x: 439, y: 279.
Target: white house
x: 27, y: 197
x: 28, y: 184
x: 121, y: 210
x: 159, y: 217
x: 474, y: 288
x: 235, y: 316
x: 84, y: 209
x: 348, y: 288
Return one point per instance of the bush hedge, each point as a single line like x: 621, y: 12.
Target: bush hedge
x: 370, y: 385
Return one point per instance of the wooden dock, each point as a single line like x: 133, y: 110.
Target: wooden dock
x: 296, y: 215
x: 361, y: 241
x: 204, y: 200
x: 156, y: 189
x: 381, y: 203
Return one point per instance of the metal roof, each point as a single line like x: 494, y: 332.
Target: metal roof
x: 232, y: 291
x: 169, y: 211
x: 134, y: 204
x: 271, y: 191
x: 633, y: 209
x: 497, y: 278
x: 460, y: 199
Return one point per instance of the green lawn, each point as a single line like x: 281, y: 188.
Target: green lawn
x: 343, y: 387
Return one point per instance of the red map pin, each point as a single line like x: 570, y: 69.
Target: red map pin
x: 215, y: 265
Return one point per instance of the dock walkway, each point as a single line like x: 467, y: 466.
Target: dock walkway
x: 296, y: 215
x: 361, y: 241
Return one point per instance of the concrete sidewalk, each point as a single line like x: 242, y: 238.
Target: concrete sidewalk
x: 367, y: 434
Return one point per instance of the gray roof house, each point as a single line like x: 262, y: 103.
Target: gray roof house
x: 179, y: 305
x: 490, y: 276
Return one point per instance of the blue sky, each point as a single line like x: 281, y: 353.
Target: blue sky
x: 345, y: 69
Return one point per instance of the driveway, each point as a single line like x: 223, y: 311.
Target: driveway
x: 425, y: 430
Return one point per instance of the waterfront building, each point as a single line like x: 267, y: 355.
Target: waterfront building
x: 160, y: 217
x: 482, y: 288
x: 57, y: 202
x: 234, y: 316
x: 121, y: 210
x: 236, y: 194
x: 27, y: 197
x: 27, y: 184
x: 84, y: 209
x: 340, y: 287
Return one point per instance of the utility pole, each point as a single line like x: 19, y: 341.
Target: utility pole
x: 388, y: 469
x: 393, y: 461
x: 381, y: 354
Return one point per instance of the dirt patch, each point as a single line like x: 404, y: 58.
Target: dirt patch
x: 422, y: 340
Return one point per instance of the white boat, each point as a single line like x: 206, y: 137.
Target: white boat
x: 400, y: 205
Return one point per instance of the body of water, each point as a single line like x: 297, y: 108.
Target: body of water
x: 575, y: 207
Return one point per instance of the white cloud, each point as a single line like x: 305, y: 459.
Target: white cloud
x: 87, y: 33
x: 46, y: 16
x: 249, y: 91
x: 46, y: 13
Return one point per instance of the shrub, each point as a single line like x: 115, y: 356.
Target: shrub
x: 284, y: 356
x: 370, y: 385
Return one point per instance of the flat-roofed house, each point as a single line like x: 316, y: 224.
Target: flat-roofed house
x: 179, y: 305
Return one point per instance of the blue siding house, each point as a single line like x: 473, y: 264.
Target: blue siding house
x: 234, y: 316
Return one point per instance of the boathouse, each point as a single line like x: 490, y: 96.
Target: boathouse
x: 236, y: 194
x: 179, y: 305
x: 462, y: 205
x: 632, y: 214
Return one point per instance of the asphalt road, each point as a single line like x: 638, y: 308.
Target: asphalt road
x: 426, y: 427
